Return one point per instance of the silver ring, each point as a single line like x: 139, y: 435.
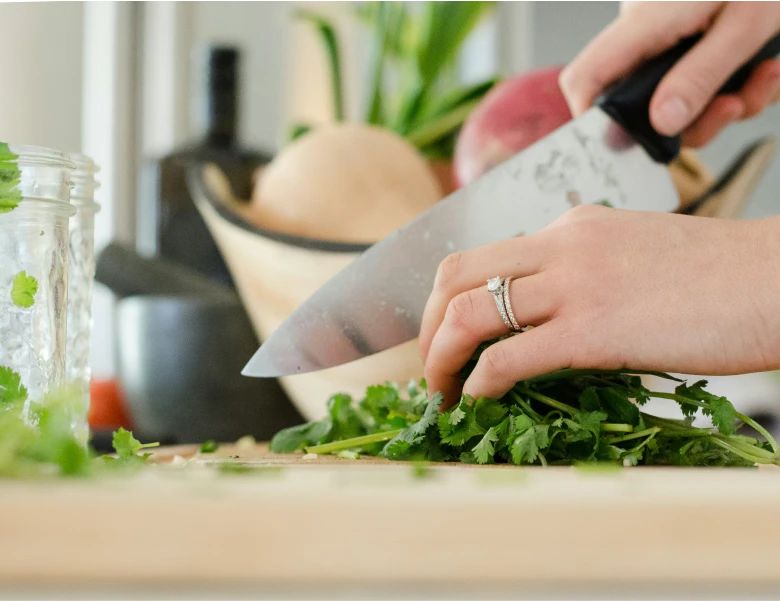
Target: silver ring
x: 508, y: 306
x: 496, y: 287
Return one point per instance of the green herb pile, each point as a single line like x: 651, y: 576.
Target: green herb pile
x: 564, y: 418
x: 36, y: 439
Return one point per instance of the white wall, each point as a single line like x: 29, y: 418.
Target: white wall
x: 40, y: 101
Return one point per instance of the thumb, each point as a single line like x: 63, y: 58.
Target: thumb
x: 687, y: 90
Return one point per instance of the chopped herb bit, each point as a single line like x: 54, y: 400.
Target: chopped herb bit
x: 24, y: 289
x: 347, y: 454
x: 10, y: 177
x: 209, y: 447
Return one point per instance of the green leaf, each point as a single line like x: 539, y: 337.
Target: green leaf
x: 345, y: 420
x: 330, y: 40
x: 524, y: 449
x: 591, y: 421
x: 24, y: 289
x: 484, y: 449
x: 127, y: 447
x: 444, y: 26
x: 209, y: 446
x: 295, y: 438
x: 723, y: 413
x: 719, y: 408
x: 403, y: 445
x: 489, y: 412
x: 465, y: 429
x: 298, y: 131
x: 10, y: 177
x: 455, y: 416
x: 11, y: 388
x: 618, y: 406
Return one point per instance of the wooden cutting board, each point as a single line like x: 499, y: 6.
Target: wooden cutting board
x: 333, y: 522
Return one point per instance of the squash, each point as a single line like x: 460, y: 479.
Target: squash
x: 343, y: 182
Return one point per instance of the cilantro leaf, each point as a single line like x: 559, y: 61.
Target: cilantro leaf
x: 465, y: 428
x: 127, y: 447
x: 295, y: 438
x: 10, y: 176
x: 723, y: 413
x: 24, y: 289
x: 403, y: 444
x: 524, y: 448
x: 618, y: 406
x: 11, y: 388
x: 209, y: 446
x: 485, y: 449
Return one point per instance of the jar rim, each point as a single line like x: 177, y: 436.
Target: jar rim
x: 58, y: 205
x: 41, y: 156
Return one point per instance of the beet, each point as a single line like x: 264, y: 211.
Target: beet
x: 512, y: 116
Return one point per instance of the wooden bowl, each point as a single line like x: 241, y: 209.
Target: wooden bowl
x: 274, y: 274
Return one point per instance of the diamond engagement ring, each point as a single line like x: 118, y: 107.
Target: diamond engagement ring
x: 496, y: 287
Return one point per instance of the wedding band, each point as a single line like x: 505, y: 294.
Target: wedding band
x: 496, y: 287
x: 508, y: 306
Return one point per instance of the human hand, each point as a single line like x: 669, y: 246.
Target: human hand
x: 685, y: 99
x: 607, y: 289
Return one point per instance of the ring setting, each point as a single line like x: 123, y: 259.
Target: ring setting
x: 499, y: 288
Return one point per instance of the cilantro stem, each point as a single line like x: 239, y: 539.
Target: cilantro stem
x: 542, y: 460
x: 606, y: 427
x: 747, y: 420
x: 550, y: 402
x: 746, y: 447
x: 739, y: 452
x: 526, y: 407
x: 351, y: 443
x: 634, y: 435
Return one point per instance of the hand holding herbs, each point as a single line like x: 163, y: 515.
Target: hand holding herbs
x: 564, y: 418
x: 608, y: 288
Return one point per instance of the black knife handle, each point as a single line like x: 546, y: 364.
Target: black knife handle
x: 628, y: 101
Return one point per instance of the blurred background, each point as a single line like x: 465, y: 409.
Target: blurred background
x: 144, y: 88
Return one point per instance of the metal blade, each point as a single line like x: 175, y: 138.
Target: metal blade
x: 377, y: 301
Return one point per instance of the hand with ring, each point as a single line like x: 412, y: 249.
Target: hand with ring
x: 607, y: 288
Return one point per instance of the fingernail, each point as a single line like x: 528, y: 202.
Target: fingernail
x: 673, y: 115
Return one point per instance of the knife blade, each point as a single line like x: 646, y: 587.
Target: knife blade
x: 610, y: 153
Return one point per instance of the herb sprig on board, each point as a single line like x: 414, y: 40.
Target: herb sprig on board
x: 563, y: 418
x: 36, y: 439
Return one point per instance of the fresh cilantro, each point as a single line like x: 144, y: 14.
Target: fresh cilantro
x: 11, y: 388
x: 127, y: 447
x: 24, y: 289
x: 485, y: 449
x: 209, y: 447
x: 10, y: 177
x: 568, y: 417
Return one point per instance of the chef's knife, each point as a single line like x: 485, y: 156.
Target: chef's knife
x: 611, y: 153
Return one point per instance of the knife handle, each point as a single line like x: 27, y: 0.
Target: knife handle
x: 628, y: 101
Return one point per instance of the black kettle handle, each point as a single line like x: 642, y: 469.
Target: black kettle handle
x: 628, y: 101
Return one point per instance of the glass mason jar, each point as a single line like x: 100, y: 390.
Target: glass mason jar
x: 34, y: 212
x: 81, y: 278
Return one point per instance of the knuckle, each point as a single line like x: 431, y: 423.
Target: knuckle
x: 448, y: 271
x: 495, y: 361
x: 460, y: 311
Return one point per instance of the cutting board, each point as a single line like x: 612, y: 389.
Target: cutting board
x: 327, y: 522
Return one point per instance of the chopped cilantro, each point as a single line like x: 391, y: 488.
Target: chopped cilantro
x: 24, y: 289
x: 209, y: 447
